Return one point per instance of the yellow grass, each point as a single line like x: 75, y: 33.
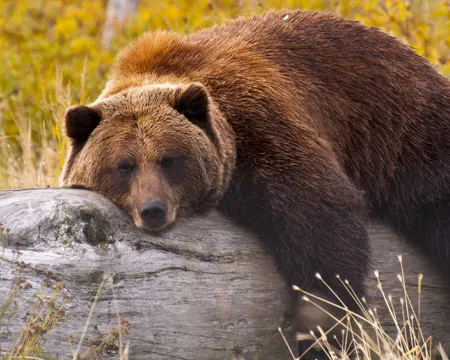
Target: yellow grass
x: 52, y: 56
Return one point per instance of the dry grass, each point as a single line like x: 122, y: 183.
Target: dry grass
x: 56, y: 41
x: 362, y: 336
x: 110, y: 340
x: 47, y: 311
x: 39, y: 160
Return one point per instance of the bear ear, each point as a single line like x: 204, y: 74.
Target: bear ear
x: 193, y: 103
x: 81, y: 121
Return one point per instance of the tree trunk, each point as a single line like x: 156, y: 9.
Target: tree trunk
x: 206, y: 289
x: 116, y: 14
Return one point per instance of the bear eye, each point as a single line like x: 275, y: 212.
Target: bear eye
x: 167, y: 162
x: 170, y: 162
x: 125, y: 166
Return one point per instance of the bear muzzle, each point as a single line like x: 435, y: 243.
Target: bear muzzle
x: 153, y: 211
x: 154, y: 215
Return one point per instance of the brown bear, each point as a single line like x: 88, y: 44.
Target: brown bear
x: 295, y: 124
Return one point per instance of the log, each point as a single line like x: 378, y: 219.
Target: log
x: 206, y: 289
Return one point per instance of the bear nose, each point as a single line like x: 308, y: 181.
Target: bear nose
x: 153, y: 211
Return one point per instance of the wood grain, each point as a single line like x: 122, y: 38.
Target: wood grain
x: 206, y: 289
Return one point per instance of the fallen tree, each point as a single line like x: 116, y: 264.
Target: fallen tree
x: 206, y: 289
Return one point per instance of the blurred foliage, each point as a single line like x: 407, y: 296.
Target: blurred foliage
x: 52, y: 56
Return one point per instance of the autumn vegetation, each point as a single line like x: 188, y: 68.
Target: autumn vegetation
x: 52, y: 56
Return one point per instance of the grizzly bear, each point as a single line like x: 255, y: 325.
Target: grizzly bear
x: 297, y: 125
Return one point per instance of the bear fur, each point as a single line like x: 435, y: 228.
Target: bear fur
x: 297, y: 125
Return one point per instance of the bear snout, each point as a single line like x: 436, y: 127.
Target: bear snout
x: 153, y: 214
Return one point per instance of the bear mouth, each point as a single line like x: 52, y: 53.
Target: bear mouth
x: 155, y: 226
x: 78, y: 187
x: 157, y: 230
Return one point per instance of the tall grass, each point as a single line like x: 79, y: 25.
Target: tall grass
x: 362, y: 335
x: 52, y: 56
x: 35, y: 161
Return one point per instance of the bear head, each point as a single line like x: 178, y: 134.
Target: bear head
x: 158, y: 151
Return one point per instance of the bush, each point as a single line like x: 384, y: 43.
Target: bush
x: 54, y: 58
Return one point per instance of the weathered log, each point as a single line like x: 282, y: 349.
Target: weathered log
x: 206, y: 289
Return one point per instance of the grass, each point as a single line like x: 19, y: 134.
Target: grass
x: 104, y: 342
x: 59, y: 42
x: 39, y: 160
x: 44, y: 314
x: 46, y: 311
x: 363, y: 336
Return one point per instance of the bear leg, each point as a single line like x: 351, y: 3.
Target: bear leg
x: 310, y: 215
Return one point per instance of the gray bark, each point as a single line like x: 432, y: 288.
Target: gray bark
x: 116, y: 14
x: 206, y: 289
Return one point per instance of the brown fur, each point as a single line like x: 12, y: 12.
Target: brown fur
x: 313, y: 121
